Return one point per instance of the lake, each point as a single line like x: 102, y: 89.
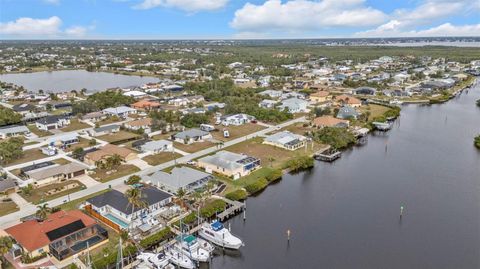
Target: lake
x: 346, y: 214
x: 67, y: 80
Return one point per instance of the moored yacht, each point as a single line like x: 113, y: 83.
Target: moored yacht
x: 179, y: 259
x: 189, y: 246
x: 206, y: 245
x: 153, y: 259
x: 218, y: 235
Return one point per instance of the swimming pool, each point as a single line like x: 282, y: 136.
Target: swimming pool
x: 118, y: 221
x: 83, y: 244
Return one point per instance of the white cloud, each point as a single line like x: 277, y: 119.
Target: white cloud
x: 42, y: 28
x: 446, y: 29
x: 32, y: 27
x: 305, y: 15
x: 186, y: 5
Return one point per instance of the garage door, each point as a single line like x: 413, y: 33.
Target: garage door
x: 78, y: 173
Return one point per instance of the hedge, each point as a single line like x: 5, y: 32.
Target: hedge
x: 300, y: 163
x: 257, y: 186
x: 237, y: 195
x: 212, y: 208
x: 156, y: 238
x: 274, y: 175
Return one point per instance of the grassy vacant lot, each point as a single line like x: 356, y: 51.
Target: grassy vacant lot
x: 116, y: 137
x: 297, y: 128
x: 237, y: 131
x: 38, y: 194
x: 270, y: 156
x: 35, y: 130
x: 75, y: 125
x: 82, y: 143
x: 109, y: 120
x: 193, y: 147
x: 61, y: 161
x: 162, y: 157
x: 162, y: 136
x: 123, y: 170
x: 28, y: 156
x: 7, y: 208
x: 375, y: 110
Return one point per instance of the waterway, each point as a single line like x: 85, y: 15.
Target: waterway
x: 67, y: 80
x: 347, y: 214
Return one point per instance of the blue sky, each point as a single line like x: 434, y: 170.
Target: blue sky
x: 212, y: 19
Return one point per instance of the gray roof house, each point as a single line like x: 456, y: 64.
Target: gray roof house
x: 103, y: 130
x: 187, y: 178
x: 157, y: 146
x: 229, y: 164
x: 294, y: 105
x: 347, y: 112
x: 13, y: 130
x: 286, y: 140
x: 191, y: 136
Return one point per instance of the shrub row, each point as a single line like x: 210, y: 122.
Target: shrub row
x: 257, y: 186
x: 212, y: 208
x: 237, y: 195
x: 300, y: 163
x: 156, y: 238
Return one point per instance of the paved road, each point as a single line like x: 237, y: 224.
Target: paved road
x: 13, y: 218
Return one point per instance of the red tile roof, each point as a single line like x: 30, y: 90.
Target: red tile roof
x: 32, y: 234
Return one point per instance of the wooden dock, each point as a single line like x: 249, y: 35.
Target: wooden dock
x: 327, y: 155
x: 233, y: 208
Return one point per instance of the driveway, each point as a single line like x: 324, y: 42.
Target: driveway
x: 87, y: 181
x: 139, y: 163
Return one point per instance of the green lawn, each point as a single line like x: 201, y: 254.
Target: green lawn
x: 7, y: 208
x: 102, y: 175
x: 162, y: 157
x: 119, y: 136
x: 38, y: 195
x: 28, y: 156
x: 38, y: 132
x: 75, y: 125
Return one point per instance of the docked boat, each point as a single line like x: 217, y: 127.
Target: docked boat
x: 205, y: 245
x: 218, y: 235
x: 155, y: 260
x: 189, y: 246
x: 179, y: 259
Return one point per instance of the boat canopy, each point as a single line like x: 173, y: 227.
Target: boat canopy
x: 189, y: 239
x: 217, y: 226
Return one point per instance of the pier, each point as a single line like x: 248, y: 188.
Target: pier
x: 327, y: 155
x: 233, y: 208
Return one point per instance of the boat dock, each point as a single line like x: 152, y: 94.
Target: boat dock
x: 382, y: 126
x: 327, y: 155
x: 233, y: 208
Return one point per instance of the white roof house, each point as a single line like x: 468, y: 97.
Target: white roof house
x: 135, y: 94
x: 237, y: 119
x: 13, y: 131
x: 157, y: 146
x: 229, y: 163
x: 286, y: 140
x: 294, y: 105
x: 120, y: 111
x: 187, y: 178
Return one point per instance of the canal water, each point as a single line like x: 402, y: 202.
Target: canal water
x: 67, y: 80
x: 346, y: 214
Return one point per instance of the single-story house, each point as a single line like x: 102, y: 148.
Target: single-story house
x: 13, y: 130
x: 320, y: 97
x: 294, y: 105
x: 94, y: 116
x: 58, y: 173
x: 24, y: 108
x: 146, y: 105
x: 114, y: 206
x: 191, y: 136
x: 62, y: 235
x: 63, y: 140
x: 8, y: 185
x: 135, y: 94
x: 347, y: 112
x: 364, y: 91
x: 52, y: 122
x: 348, y: 100
x: 286, y: 140
x: 237, y: 119
x: 271, y: 93
x: 157, y: 146
x: 267, y: 103
x: 104, y: 130
x: 185, y: 178
x: 107, y: 151
x: 121, y: 111
x: 229, y: 163
x: 135, y: 125
x: 329, y: 121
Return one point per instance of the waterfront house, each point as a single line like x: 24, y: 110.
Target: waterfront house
x: 191, y: 136
x: 114, y: 206
x: 229, y: 164
x: 329, y: 121
x: 347, y: 112
x: 157, y: 146
x: 55, y: 174
x: 104, y: 130
x: 107, y: 151
x: 52, y: 122
x: 286, y: 140
x: 294, y: 105
x: 185, y: 178
x: 236, y: 119
x: 62, y: 235
x: 121, y: 111
x: 13, y: 130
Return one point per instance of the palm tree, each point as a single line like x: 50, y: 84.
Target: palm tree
x: 42, y: 212
x: 114, y: 161
x: 135, y: 200
x: 271, y: 160
x: 6, y: 243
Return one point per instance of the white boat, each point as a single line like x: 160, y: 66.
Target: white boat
x: 155, y: 260
x: 218, y: 235
x: 189, y: 246
x: 205, y: 245
x: 179, y: 259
